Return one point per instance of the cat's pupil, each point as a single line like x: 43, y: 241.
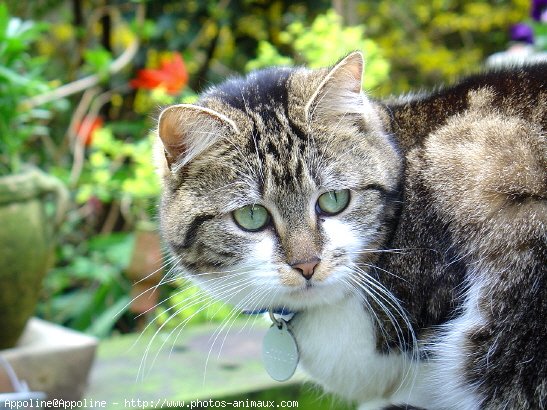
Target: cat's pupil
x: 251, y: 217
x: 333, y: 202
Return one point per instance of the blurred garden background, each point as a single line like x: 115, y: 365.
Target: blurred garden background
x: 82, y: 82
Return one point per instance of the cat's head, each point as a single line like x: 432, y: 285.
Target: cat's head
x: 278, y: 187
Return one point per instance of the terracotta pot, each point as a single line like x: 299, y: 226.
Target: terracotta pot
x: 31, y: 207
x: 145, y: 269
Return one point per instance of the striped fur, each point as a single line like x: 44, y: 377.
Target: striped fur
x: 432, y: 279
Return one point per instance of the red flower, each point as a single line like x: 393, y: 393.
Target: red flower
x: 86, y: 129
x: 172, y: 75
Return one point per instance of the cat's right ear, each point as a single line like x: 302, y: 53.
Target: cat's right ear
x: 185, y: 130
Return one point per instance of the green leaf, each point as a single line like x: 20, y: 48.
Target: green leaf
x: 102, y: 325
x: 98, y: 60
x: 71, y: 305
x: 13, y: 77
x: 115, y: 248
x: 4, y: 20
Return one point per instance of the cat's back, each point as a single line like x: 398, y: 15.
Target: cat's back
x: 510, y: 91
x: 479, y: 150
x: 476, y: 175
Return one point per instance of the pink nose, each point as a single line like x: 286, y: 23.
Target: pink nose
x: 306, y: 268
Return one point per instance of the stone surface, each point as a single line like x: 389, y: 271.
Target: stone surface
x: 190, y: 365
x: 51, y: 359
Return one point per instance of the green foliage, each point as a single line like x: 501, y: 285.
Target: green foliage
x: 431, y: 42
x: 218, y: 38
x: 88, y: 291
x: 267, y: 55
x: 98, y: 61
x: 540, y: 35
x: 320, y: 44
x: 20, y: 77
x: 188, y: 304
x: 118, y: 170
x: 407, y: 45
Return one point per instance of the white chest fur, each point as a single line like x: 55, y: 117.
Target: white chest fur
x: 338, y: 350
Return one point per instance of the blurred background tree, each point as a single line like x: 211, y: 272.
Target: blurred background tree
x: 432, y: 42
x: 112, y: 63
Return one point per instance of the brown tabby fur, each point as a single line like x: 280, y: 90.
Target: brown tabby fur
x: 451, y: 185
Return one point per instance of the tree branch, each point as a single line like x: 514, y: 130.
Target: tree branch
x: 87, y: 82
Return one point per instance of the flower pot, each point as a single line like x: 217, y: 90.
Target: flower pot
x: 31, y: 207
x: 47, y: 359
x: 16, y: 392
x: 145, y: 269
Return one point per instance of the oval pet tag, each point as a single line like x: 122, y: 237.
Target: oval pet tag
x: 280, y: 352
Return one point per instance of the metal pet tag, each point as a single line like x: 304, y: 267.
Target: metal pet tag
x: 279, y: 351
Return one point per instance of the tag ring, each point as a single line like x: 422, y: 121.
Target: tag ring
x: 277, y: 322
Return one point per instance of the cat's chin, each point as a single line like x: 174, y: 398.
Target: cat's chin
x: 310, y: 296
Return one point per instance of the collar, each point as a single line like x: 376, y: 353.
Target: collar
x: 276, y: 311
x: 282, y: 313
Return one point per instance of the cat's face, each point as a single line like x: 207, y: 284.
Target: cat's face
x: 278, y: 188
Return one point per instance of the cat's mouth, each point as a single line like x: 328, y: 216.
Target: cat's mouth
x: 308, y: 286
x: 312, y: 293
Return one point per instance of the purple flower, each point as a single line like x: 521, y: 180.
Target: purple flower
x: 539, y: 10
x: 522, y: 33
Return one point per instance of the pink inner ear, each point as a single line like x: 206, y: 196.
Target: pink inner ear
x: 348, y: 73
x: 171, y: 133
x: 355, y: 67
x: 341, y: 87
x: 187, y: 130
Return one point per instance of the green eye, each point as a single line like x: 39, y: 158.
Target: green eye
x: 333, y: 202
x: 252, y: 217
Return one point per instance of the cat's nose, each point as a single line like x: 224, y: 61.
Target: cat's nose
x: 306, y: 268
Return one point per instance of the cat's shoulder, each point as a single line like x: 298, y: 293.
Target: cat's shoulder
x: 486, y: 166
x: 486, y: 155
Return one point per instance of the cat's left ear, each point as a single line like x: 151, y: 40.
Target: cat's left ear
x: 340, y: 90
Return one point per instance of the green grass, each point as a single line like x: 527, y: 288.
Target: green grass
x: 302, y: 397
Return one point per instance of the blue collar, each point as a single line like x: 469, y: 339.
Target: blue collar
x: 277, y: 311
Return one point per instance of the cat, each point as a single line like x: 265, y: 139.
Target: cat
x: 408, y: 236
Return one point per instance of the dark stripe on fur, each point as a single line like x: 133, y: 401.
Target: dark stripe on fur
x: 190, y: 236
x: 241, y: 93
x: 300, y: 134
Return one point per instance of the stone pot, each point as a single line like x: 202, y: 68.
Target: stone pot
x: 47, y: 359
x: 32, y: 205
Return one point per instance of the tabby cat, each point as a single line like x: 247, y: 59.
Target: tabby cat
x: 407, y: 236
